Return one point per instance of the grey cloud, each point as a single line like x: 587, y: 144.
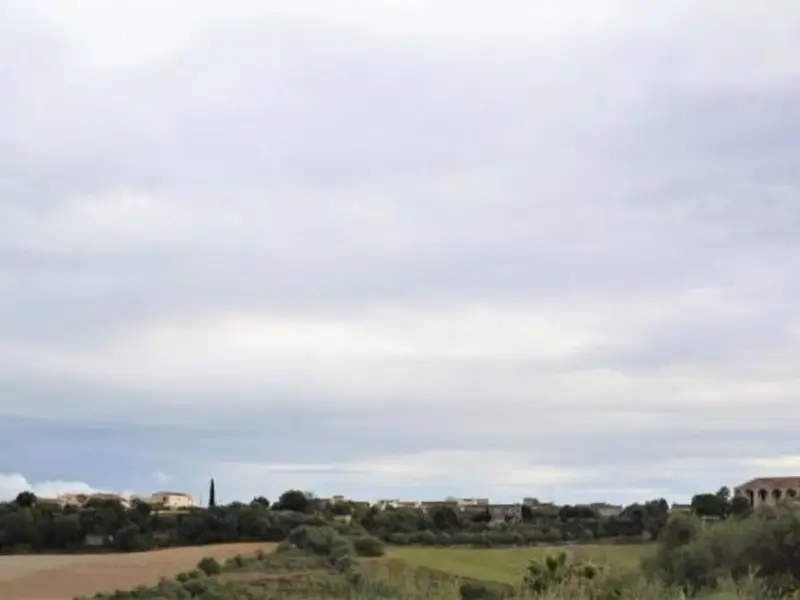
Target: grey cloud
x: 313, y: 170
x: 735, y: 342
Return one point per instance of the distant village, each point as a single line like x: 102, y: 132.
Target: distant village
x: 497, y: 511
x: 758, y: 492
x: 466, y: 506
x: 165, y: 500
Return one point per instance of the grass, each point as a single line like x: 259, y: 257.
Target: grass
x: 412, y: 574
x: 507, y: 565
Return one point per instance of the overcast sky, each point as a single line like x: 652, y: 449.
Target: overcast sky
x: 399, y: 248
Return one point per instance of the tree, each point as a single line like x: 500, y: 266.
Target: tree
x: 740, y: 506
x: 710, y: 505
x: 341, y: 508
x: 25, y: 499
x: 66, y: 531
x: 656, y: 515
x: 568, y: 512
x: 212, y: 494
x: 483, y: 516
x: 527, y: 513
x: 293, y: 500
x: 260, y: 501
x: 445, y: 518
x: 141, y: 508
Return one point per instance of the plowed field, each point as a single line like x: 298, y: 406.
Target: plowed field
x: 62, y: 577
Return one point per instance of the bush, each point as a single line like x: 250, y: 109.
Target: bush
x: 237, y: 562
x: 317, y: 540
x: 425, y: 538
x: 558, y: 570
x: 680, y: 530
x: 341, y: 553
x: 473, y: 590
x: 369, y: 546
x: 209, y: 566
x: 696, y: 556
x: 196, y: 587
x: 344, y: 563
x: 399, y: 539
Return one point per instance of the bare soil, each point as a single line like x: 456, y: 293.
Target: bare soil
x: 62, y: 577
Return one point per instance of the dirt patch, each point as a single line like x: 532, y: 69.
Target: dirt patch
x: 14, y: 567
x: 64, y: 577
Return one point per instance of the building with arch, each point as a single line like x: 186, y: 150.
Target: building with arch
x: 769, y: 491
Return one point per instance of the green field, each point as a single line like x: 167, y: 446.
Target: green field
x: 507, y: 565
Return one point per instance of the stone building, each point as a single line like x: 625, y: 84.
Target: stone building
x: 429, y: 505
x: 80, y: 499
x: 769, y: 491
x: 397, y: 503
x: 171, y: 500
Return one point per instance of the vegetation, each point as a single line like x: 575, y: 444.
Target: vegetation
x: 28, y: 525
x: 765, y: 547
x: 745, y: 558
x: 505, y: 564
x: 444, y: 526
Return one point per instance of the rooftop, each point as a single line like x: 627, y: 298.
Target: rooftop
x: 770, y: 482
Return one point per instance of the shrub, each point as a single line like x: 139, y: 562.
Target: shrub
x: 369, y: 546
x: 399, y: 539
x: 340, y: 549
x: 344, y: 563
x: 695, y: 556
x: 237, y: 562
x: 691, y: 567
x: 679, y: 530
x: 557, y: 570
x: 196, y: 587
x: 209, y: 566
x: 465, y: 538
x: 473, y: 590
x: 317, y: 540
x: 425, y: 538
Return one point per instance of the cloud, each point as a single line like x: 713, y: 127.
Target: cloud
x: 411, y: 472
x: 508, y: 475
x: 13, y: 484
x: 775, y: 466
x: 400, y: 228
x: 509, y: 353
x: 105, y: 223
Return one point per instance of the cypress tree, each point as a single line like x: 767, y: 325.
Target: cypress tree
x: 212, y: 496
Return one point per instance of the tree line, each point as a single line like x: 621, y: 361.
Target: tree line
x: 27, y: 525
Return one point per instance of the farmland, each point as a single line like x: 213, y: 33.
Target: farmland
x: 62, y: 577
x: 507, y: 565
x: 323, y: 562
